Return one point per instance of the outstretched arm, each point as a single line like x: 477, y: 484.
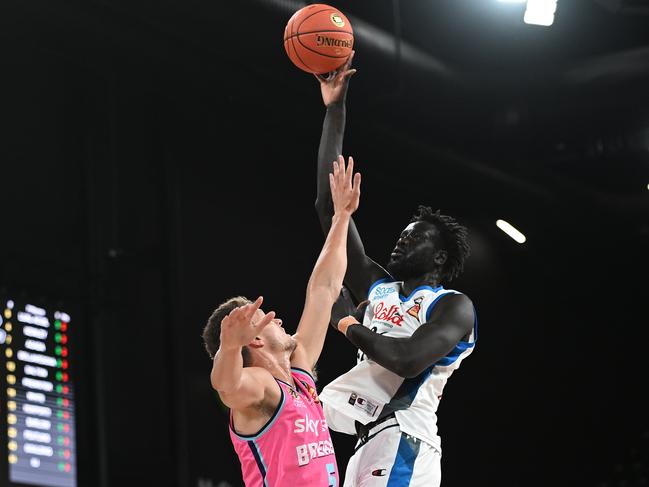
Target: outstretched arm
x: 327, y: 277
x: 451, y: 320
x: 362, y: 271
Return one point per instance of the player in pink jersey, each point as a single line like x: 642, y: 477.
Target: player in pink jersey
x: 265, y: 376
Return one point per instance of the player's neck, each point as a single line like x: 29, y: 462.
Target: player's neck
x: 409, y: 285
x: 281, y: 369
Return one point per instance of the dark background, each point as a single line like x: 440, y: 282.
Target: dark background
x: 159, y: 157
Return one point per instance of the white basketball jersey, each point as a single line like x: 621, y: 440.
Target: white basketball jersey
x: 369, y: 391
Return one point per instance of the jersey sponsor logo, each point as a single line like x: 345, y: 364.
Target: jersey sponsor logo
x: 414, y: 310
x: 389, y: 315
x: 312, y: 392
x: 297, y: 400
x: 381, y: 292
x: 293, y: 393
x: 310, y: 425
x: 379, y: 472
x: 309, y: 451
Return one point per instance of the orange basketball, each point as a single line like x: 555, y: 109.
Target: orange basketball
x: 318, y: 38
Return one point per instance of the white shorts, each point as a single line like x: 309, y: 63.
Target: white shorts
x: 391, y: 458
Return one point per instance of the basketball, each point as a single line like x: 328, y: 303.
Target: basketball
x: 318, y: 38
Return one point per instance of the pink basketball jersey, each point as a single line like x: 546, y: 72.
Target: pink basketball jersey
x: 294, y: 447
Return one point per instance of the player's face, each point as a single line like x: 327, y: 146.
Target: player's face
x: 274, y: 334
x: 414, y: 252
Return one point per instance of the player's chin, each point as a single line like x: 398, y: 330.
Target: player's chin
x: 395, y: 266
x: 291, y: 344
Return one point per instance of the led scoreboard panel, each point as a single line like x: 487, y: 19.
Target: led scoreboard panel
x: 37, y: 394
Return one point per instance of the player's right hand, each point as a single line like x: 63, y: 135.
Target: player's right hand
x: 334, y: 86
x: 241, y: 326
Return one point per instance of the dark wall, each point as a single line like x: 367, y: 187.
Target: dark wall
x: 178, y: 180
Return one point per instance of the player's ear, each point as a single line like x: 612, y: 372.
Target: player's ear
x: 256, y: 343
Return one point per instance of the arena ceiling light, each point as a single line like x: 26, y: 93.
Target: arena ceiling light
x: 509, y: 229
x: 512, y: 1
x: 540, y: 12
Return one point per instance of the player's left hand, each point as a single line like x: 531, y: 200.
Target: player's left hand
x: 334, y: 85
x: 345, y: 188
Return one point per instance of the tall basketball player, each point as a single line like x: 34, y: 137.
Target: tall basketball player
x: 265, y: 376
x: 412, y: 334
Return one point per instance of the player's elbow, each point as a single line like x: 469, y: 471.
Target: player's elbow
x: 216, y: 383
x: 221, y: 384
x: 401, y: 364
x: 411, y: 369
x: 326, y: 290
x: 410, y: 365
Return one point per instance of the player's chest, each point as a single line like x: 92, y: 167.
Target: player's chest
x: 393, y: 317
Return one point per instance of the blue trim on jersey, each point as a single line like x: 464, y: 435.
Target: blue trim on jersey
x: 405, y: 396
x: 270, y: 422
x: 460, y: 348
x: 305, y: 372
x: 403, y: 300
x: 376, y: 283
x: 254, y: 447
x: 411, y: 386
x: 404, y: 463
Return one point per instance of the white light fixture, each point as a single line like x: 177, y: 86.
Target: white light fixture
x: 512, y: 1
x: 511, y: 231
x: 540, y: 12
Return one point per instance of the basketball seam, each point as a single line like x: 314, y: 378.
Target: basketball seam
x: 319, y: 31
x: 298, y: 56
x: 317, y: 52
x: 292, y: 25
x: 297, y: 29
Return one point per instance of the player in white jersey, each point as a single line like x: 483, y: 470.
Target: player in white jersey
x: 411, y: 332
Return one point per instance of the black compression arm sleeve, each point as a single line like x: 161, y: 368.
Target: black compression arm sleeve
x: 331, y: 146
x: 385, y: 351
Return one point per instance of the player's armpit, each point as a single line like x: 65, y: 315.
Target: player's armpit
x: 362, y: 271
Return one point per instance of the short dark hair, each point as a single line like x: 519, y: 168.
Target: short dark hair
x: 455, y: 239
x: 212, y: 330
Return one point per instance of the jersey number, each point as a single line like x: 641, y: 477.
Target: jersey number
x: 331, y: 471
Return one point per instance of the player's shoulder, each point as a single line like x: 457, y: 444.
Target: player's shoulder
x: 457, y: 296
x: 452, y: 302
